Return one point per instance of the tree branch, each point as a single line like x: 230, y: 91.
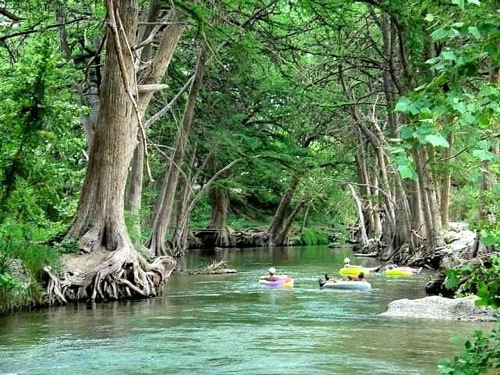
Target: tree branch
x: 10, y: 15
x: 54, y: 26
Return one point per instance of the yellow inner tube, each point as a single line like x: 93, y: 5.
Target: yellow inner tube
x: 398, y: 272
x: 354, y: 270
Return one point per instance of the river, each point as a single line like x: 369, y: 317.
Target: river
x: 229, y: 324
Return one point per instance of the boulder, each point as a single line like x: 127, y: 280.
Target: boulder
x: 435, y: 307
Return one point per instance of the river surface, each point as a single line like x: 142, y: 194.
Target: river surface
x: 229, y: 324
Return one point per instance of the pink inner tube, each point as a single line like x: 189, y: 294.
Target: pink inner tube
x: 278, y: 282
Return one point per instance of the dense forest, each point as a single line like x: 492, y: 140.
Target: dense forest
x: 136, y: 130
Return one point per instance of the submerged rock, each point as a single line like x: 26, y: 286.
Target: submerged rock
x: 435, y: 307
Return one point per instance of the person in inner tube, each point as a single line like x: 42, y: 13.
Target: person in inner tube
x: 272, y: 275
x: 347, y: 263
x: 326, y: 281
x: 360, y: 277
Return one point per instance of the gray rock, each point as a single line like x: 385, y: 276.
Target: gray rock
x: 435, y: 307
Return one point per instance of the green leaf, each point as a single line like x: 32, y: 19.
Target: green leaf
x: 406, y: 132
x: 403, y: 105
x: 475, y: 2
x: 436, y: 140
x: 452, y: 281
x: 460, y: 3
x: 474, y: 31
x: 429, y: 17
x: 439, y: 34
x: 448, y: 55
x: 489, y: 240
x: 406, y: 171
x: 483, y: 155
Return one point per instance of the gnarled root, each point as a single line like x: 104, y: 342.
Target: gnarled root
x: 123, y: 274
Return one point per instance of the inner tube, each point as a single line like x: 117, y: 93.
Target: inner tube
x: 284, y: 281
x: 347, y: 285
x: 354, y: 270
x: 403, y: 271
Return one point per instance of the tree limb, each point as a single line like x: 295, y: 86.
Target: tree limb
x: 33, y: 31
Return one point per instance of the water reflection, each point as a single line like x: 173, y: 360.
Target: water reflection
x: 229, y: 324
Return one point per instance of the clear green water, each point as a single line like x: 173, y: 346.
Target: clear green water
x: 229, y: 324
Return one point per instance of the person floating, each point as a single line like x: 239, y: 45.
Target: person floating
x: 347, y: 263
x: 326, y: 281
x: 272, y: 275
x: 360, y: 277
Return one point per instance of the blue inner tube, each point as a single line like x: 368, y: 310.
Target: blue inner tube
x: 348, y: 285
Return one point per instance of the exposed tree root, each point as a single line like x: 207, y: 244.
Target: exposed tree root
x: 123, y: 274
x: 214, y: 268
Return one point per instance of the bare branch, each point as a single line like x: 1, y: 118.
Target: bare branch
x: 33, y: 31
x: 10, y: 15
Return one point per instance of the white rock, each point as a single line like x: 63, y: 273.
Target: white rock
x: 435, y: 307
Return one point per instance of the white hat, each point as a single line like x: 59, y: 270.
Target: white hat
x: 272, y: 270
x: 347, y: 260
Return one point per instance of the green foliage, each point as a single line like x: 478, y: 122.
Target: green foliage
x: 310, y: 237
x: 23, y: 242
x: 21, y: 262
x: 459, y: 98
x: 483, y: 281
x: 39, y: 162
x: 402, y: 159
x: 489, y: 224
x: 481, y: 355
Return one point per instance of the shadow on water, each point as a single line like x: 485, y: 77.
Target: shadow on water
x: 229, y: 324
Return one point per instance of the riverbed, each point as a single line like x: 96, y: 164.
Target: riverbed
x: 229, y: 324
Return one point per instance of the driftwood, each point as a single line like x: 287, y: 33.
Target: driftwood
x: 214, y: 268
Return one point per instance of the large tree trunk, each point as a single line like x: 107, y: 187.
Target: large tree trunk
x: 281, y: 237
x: 278, y: 222
x: 362, y: 236
x: 388, y: 35
x: 99, y: 223
x: 219, y: 204
x: 163, y: 211
x: 367, y: 190
x: 428, y: 195
x: 446, y: 184
x: 151, y: 75
x: 180, y: 237
x: 134, y: 194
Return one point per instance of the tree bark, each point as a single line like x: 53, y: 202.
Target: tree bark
x: 429, y: 205
x: 363, y: 238
x: 446, y: 184
x: 279, y: 217
x: 282, y: 237
x: 219, y: 204
x: 151, y: 75
x: 163, y: 211
x: 134, y: 194
x: 100, y: 218
x: 99, y: 223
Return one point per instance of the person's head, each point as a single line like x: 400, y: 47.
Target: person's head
x: 272, y: 271
x: 347, y: 261
x: 361, y: 275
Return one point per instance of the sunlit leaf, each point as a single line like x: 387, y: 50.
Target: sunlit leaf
x: 437, y: 140
x: 483, y: 155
